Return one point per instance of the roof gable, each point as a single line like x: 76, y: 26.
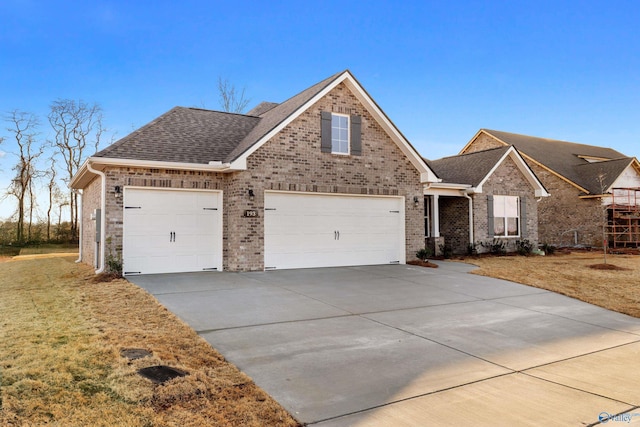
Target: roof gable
x: 474, y: 169
x: 470, y: 169
x: 602, y: 176
x: 568, y: 160
x: 204, y: 137
x: 280, y: 116
x: 275, y: 117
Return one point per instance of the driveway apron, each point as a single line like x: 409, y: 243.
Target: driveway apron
x: 406, y: 345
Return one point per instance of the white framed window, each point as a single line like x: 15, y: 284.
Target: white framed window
x: 339, y: 134
x: 506, y: 216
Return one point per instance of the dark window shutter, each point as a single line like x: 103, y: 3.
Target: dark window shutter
x: 325, y: 131
x: 356, y: 136
x: 523, y: 217
x: 492, y: 232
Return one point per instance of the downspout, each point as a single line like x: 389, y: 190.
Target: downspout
x: 80, y: 231
x: 466, y: 194
x: 103, y: 203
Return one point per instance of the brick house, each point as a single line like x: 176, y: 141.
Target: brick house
x: 583, y: 181
x: 321, y: 179
x: 483, y: 197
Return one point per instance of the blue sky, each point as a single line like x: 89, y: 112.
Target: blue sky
x: 440, y: 70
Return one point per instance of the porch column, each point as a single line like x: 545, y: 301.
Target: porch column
x: 435, y: 214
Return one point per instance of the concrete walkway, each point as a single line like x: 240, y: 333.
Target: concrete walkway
x: 404, y: 346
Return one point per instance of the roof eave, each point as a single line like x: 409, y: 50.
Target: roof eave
x: 84, y: 176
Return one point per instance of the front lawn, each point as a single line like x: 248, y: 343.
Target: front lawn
x: 572, y: 275
x: 61, y: 363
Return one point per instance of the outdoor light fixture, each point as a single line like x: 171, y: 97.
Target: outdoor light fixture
x: 251, y: 195
x: 117, y: 190
x: 416, y: 200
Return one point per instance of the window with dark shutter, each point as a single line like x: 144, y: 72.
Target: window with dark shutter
x: 340, y: 134
x: 490, y: 228
x: 325, y: 131
x: 356, y: 135
x: 523, y: 217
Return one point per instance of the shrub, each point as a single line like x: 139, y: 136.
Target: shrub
x: 424, y: 253
x: 446, y: 250
x: 525, y: 247
x: 495, y: 246
x: 548, y: 249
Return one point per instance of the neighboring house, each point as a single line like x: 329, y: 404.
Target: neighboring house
x: 590, y: 186
x: 322, y: 179
x: 484, y: 197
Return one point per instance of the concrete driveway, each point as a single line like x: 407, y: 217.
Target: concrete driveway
x: 404, y: 345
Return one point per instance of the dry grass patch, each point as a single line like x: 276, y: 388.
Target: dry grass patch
x: 60, y: 357
x: 572, y: 275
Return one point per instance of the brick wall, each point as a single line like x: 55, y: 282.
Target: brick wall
x: 290, y: 161
x: 507, y: 180
x: 564, y: 214
x: 454, y: 223
x: 90, y: 202
x: 483, y: 142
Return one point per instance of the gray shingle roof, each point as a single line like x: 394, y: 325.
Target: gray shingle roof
x: 563, y: 158
x: 261, y: 108
x: 193, y: 135
x: 610, y: 170
x: 185, y: 135
x: 469, y: 168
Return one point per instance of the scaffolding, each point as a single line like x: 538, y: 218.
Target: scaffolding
x: 623, y: 218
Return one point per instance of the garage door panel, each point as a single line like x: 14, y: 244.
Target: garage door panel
x: 306, y: 230
x: 171, y: 231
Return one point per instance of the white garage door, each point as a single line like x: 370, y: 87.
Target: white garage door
x: 304, y: 230
x: 170, y: 231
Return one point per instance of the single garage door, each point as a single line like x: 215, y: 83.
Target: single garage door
x: 171, y: 231
x: 310, y: 230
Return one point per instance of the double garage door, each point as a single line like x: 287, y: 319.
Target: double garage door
x: 305, y: 230
x: 168, y: 231
x: 171, y: 231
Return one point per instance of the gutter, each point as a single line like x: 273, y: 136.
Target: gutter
x: 103, y: 214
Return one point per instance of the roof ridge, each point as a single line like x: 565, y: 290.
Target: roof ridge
x: 214, y: 111
x: 506, y: 147
x: 533, y: 136
x: 542, y: 138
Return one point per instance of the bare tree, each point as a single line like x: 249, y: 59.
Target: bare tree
x: 52, y: 186
x: 78, y: 128
x: 604, y: 214
x: 23, y: 127
x: 231, y: 100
